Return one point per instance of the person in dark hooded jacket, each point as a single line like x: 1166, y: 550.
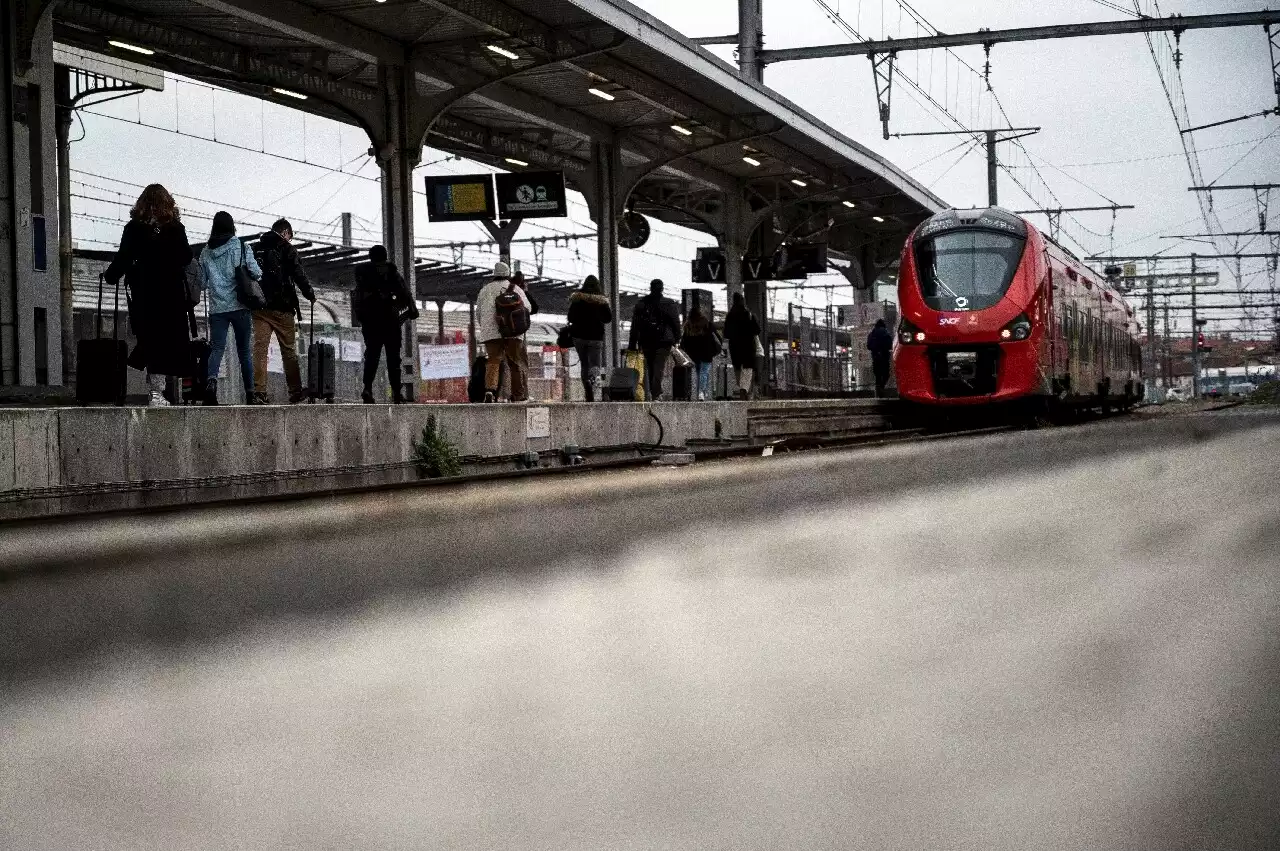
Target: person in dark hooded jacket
x: 743, y: 332
x: 880, y: 344
x: 282, y: 276
x: 381, y: 299
x: 589, y: 317
x: 655, y: 328
x: 221, y: 256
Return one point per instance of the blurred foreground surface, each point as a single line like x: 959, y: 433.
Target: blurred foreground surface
x: 977, y: 644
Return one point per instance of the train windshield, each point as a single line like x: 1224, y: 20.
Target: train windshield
x: 967, y: 269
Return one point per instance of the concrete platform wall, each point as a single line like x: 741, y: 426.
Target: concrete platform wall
x: 51, y: 448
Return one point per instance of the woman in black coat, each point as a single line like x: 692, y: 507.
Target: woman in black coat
x: 381, y: 297
x: 589, y: 317
x: 152, y: 259
x: 701, y: 342
x: 743, y: 331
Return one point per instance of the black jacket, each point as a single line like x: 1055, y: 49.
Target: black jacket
x: 655, y: 323
x: 702, y: 348
x: 589, y: 316
x: 742, y: 329
x: 880, y: 343
x: 282, y: 270
x: 380, y: 294
x: 152, y: 260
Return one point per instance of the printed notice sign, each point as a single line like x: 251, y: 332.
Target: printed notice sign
x: 531, y: 195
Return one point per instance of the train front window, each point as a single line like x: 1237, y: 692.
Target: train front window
x: 967, y: 269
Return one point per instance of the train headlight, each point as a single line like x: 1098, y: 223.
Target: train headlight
x: 1018, y: 329
x: 908, y: 333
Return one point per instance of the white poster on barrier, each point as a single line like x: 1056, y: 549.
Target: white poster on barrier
x: 352, y: 351
x: 451, y: 361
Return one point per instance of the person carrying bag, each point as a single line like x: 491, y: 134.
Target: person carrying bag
x: 232, y: 275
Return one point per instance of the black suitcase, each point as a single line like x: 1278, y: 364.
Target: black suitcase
x: 101, y: 365
x: 623, y: 383
x: 682, y: 378
x: 195, y: 385
x: 322, y: 366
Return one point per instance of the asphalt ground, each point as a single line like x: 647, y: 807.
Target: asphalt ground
x: 1058, y: 639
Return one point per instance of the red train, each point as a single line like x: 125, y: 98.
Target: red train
x: 995, y: 312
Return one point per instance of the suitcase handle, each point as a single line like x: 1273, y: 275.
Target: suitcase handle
x: 115, y: 310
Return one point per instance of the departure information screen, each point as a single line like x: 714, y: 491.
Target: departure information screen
x: 460, y: 198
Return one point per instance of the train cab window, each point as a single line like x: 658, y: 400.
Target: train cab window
x: 968, y: 269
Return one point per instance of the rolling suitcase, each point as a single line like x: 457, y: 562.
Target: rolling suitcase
x: 682, y: 380
x: 624, y: 382
x: 101, y: 365
x: 322, y: 366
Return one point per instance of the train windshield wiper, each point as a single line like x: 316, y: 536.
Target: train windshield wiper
x: 955, y: 295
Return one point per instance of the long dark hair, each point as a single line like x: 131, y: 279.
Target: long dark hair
x: 697, y: 324
x: 155, y: 206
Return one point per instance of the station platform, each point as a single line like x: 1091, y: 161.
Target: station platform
x: 57, y: 461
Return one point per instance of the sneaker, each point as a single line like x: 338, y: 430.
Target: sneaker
x: 157, y: 400
x: 259, y: 399
x: 367, y: 397
x: 297, y: 398
x: 490, y: 398
x: 211, y: 392
x: 702, y: 397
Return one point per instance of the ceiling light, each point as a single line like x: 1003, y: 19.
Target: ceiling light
x: 132, y: 47
x: 750, y: 161
x: 798, y: 182
x: 601, y: 94
x: 502, y: 51
x: 879, y: 219
x: 850, y: 205
x: 515, y: 161
x: 289, y: 94
x: 683, y: 131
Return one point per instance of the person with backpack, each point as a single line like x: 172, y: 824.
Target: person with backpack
x: 282, y: 276
x: 152, y: 259
x: 222, y: 255
x: 743, y: 333
x: 381, y: 300
x: 655, y: 328
x: 502, y: 318
x: 702, y: 343
x: 589, y: 316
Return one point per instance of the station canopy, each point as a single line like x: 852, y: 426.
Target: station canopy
x: 538, y: 82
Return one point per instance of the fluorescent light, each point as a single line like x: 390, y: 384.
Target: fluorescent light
x: 798, y: 182
x: 502, y: 51
x: 750, y: 161
x: 515, y: 161
x: 879, y: 219
x: 683, y: 131
x: 132, y: 47
x: 602, y: 95
x: 850, y: 205
x: 289, y: 94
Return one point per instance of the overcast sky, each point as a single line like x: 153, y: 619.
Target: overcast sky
x: 1108, y: 134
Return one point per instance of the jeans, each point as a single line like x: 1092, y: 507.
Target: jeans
x: 280, y: 323
x: 507, y: 349
x: 655, y: 368
x: 376, y: 340
x: 591, y: 364
x: 242, y: 322
x: 704, y: 381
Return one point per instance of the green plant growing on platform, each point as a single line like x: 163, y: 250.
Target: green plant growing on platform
x: 1267, y: 393
x: 433, y: 455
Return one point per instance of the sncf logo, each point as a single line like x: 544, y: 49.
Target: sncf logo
x: 949, y: 320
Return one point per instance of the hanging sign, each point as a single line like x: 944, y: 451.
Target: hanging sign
x: 453, y: 198
x: 531, y: 195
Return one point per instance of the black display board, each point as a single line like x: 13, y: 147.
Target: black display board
x: 460, y: 198
x: 532, y: 195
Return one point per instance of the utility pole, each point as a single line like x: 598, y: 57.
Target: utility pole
x: 1151, y: 338
x: 347, y: 240
x: 993, y: 138
x: 1195, y: 339
x: 751, y: 39
x: 1166, y: 367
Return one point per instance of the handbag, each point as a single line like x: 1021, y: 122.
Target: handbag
x: 193, y: 280
x: 564, y: 339
x: 635, y: 360
x: 248, y: 288
x: 680, y: 358
x: 759, y: 347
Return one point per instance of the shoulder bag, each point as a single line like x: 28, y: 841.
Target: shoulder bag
x: 248, y: 288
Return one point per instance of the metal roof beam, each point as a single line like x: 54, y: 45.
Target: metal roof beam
x: 1172, y: 23
x: 305, y: 23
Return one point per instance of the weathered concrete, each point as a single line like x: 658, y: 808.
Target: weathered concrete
x: 149, y: 450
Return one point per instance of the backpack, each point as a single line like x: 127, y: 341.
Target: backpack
x: 510, y: 314
x: 648, y: 326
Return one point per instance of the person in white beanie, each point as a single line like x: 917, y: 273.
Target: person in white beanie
x: 497, y: 347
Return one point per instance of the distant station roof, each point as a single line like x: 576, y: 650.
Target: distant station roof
x: 536, y: 82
